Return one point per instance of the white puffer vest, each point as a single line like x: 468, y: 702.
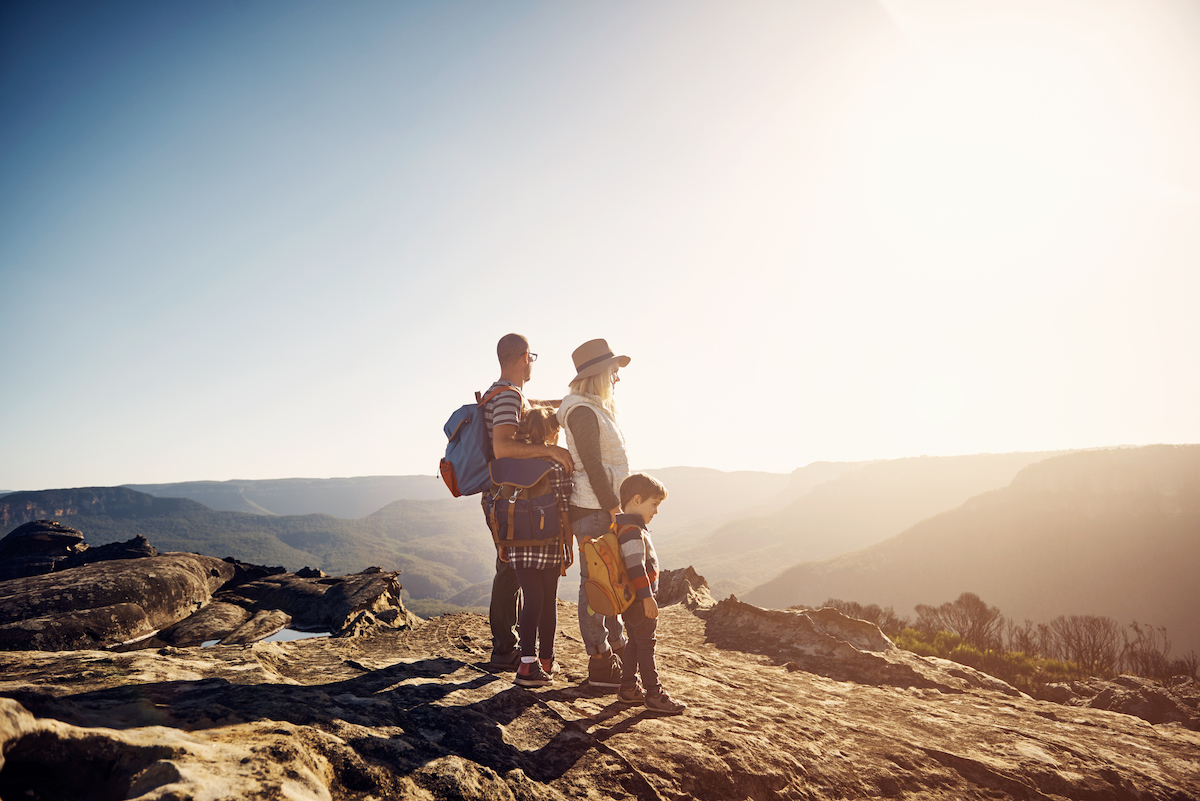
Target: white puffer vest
x: 612, y: 451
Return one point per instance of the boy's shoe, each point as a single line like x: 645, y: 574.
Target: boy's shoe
x: 530, y: 674
x: 549, y: 665
x: 508, y: 660
x: 605, y: 671
x: 631, y: 694
x: 664, y: 703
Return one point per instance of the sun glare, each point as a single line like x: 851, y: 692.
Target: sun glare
x: 1000, y: 139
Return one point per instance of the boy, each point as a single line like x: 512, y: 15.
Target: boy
x: 640, y: 496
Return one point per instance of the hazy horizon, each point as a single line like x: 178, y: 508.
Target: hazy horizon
x: 437, y: 479
x: 281, y: 240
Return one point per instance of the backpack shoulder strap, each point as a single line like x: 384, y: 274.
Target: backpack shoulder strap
x: 495, y: 392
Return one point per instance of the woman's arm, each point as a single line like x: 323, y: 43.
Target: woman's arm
x: 585, y: 431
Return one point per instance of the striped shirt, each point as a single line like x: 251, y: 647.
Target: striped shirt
x: 506, y: 409
x: 641, y: 562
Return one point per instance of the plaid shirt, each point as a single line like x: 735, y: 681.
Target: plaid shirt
x: 552, y: 553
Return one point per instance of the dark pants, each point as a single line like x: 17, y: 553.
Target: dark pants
x: 503, y: 612
x: 539, y: 612
x: 641, y: 632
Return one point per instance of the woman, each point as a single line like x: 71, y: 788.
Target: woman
x: 597, y: 448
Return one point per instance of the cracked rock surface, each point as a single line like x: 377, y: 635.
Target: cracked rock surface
x: 803, y: 705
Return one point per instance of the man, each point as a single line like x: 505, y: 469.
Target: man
x: 501, y: 415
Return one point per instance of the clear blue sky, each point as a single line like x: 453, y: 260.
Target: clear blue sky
x: 272, y: 239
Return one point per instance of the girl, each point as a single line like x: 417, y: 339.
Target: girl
x: 538, y: 567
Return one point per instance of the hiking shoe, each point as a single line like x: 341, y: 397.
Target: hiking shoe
x: 631, y: 694
x: 664, y: 703
x: 549, y: 665
x: 605, y: 671
x: 505, y: 660
x: 530, y: 674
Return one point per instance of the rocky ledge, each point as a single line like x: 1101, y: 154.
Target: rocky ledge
x: 62, y: 595
x: 782, y: 705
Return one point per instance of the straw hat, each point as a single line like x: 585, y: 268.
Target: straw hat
x: 594, y: 357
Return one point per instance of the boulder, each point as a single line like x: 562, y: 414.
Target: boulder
x: 684, y: 586
x: 261, y: 625
x: 36, y: 548
x: 1174, y: 702
x: 136, y: 548
x: 327, y: 604
x: 213, y: 622
x: 102, y: 604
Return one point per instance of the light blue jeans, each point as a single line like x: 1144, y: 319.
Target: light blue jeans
x: 595, y: 628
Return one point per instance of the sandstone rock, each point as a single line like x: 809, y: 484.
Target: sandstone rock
x: 263, y: 624
x: 685, y: 587
x: 244, y: 572
x: 327, y: 604
x: 107, y: 602
x: 828, y: 643
x: 215, y: 621
x: 36, y: 548
x: 417, y: 714
x: 136, y: 548
x: 165, y: 600
x: 1133, y: 695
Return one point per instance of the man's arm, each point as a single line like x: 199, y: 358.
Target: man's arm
x: 506, y: 446
x: 554, y: 404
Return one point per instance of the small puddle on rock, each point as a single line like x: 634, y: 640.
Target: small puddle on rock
x: 283, y: 635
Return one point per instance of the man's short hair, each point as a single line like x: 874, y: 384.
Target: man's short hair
x: 648, y: 487
x: 510, y: 348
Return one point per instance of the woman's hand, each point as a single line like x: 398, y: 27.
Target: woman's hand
x: 650, y: 607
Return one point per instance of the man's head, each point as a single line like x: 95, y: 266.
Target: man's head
x: 641, y: 494
x: 515, y: 359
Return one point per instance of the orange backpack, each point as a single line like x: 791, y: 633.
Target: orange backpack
x: 608, y: 588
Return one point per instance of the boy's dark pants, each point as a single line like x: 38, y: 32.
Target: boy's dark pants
x: 639, y: 651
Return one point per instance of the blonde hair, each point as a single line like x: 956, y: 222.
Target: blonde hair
x: 599, y: 386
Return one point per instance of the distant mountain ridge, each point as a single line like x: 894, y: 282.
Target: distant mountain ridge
x: 347, y: 498
x: 830, y: 508
x: 1113, y: 533
x: 441, y: 545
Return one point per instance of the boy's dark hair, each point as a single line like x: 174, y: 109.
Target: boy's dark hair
x: 648, y: 487
x: 510, y: 347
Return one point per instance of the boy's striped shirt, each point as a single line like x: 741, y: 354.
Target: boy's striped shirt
x: 641, y: 562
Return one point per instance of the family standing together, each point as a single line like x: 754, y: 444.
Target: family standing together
x: 595, y: 494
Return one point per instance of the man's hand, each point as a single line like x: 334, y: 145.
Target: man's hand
x: 650, y: 606
x: 562, y: 456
